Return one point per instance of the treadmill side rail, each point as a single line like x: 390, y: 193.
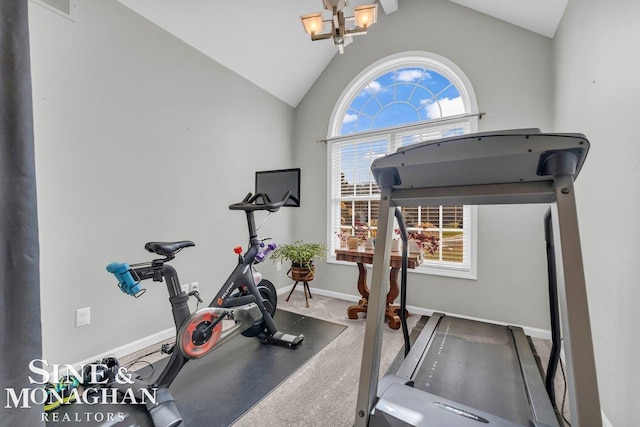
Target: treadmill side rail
x: 413, y: 361
x: 539, y: 403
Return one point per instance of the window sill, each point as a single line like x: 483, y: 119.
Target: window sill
x: 423, y: 269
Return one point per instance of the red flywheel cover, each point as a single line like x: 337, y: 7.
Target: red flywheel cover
x: 190, y: 338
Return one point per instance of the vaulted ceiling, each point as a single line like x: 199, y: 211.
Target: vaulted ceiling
x: 264, y: 41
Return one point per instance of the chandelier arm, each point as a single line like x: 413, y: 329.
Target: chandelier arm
x: 326, y: 36
x: 363, y: 17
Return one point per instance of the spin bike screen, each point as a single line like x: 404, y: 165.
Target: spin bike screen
x: 275, y: 183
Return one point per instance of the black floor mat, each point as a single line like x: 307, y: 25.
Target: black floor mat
x: 219, y: 388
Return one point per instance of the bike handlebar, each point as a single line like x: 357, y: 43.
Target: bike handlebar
x: 250, y: 203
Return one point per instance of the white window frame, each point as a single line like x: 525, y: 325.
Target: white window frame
x: 449, y: 70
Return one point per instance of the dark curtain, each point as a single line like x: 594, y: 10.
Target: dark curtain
x: 20, y: 327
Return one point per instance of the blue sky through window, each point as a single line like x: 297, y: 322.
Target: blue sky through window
x: 399, y: 97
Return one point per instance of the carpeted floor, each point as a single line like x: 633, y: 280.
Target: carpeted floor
x: 323, y: 391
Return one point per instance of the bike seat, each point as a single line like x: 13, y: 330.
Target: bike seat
x: 167, y: 248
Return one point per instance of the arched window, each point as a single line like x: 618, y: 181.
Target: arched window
x: 400, y: 100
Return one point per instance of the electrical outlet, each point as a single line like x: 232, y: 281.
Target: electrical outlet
x: 185, y: 288
x: 278, y: 266
x: 194, y: 287
x: 83, y: 316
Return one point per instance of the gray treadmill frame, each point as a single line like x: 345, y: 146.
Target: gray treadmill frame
x: 552, y: 184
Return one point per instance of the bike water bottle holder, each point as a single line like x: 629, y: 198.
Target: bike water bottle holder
x: 128, y: 280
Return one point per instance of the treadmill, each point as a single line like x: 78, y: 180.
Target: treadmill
x: 467, y: 373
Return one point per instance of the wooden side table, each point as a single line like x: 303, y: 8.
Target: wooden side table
x: 365, y: 256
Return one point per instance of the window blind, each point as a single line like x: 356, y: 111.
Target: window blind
x: 442, y: 232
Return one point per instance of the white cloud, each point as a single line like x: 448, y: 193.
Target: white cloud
x: 411, y: 75
x: 371, y: 89
x: 374, y: 86
x: 349, y: 118
x: 443, y: 107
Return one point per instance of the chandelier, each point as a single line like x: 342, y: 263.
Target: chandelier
x: 344, y: 23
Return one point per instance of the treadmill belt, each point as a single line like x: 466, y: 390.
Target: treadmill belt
x: 476, y: 364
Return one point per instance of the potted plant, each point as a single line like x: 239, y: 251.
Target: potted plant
x: 361, y: 233
x: 301, y: 256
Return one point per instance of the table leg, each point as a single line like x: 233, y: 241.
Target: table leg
x: 353, y: 310
x: 391, y: 313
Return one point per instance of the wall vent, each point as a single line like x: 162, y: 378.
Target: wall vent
x: 66, y: 8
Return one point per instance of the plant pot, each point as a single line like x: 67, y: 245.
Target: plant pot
x: 352, y: 243
x: 370, y: 243
x: 414, y: 247
x: 302, y: 272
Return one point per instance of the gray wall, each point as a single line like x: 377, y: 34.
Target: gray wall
x: 139, y: 137
x: 596, y: 93
x: 510, y: 70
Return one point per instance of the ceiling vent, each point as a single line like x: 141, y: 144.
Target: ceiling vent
x: 66, y: 8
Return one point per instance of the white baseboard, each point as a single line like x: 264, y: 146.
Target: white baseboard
x: 336, y: 295
x: 533, y: 332
x: 284, y: 289
x: 137, y: 345
x: 131, y: 347
x: 323, y: 292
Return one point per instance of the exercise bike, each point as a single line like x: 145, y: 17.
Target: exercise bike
x: 245, y: 298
